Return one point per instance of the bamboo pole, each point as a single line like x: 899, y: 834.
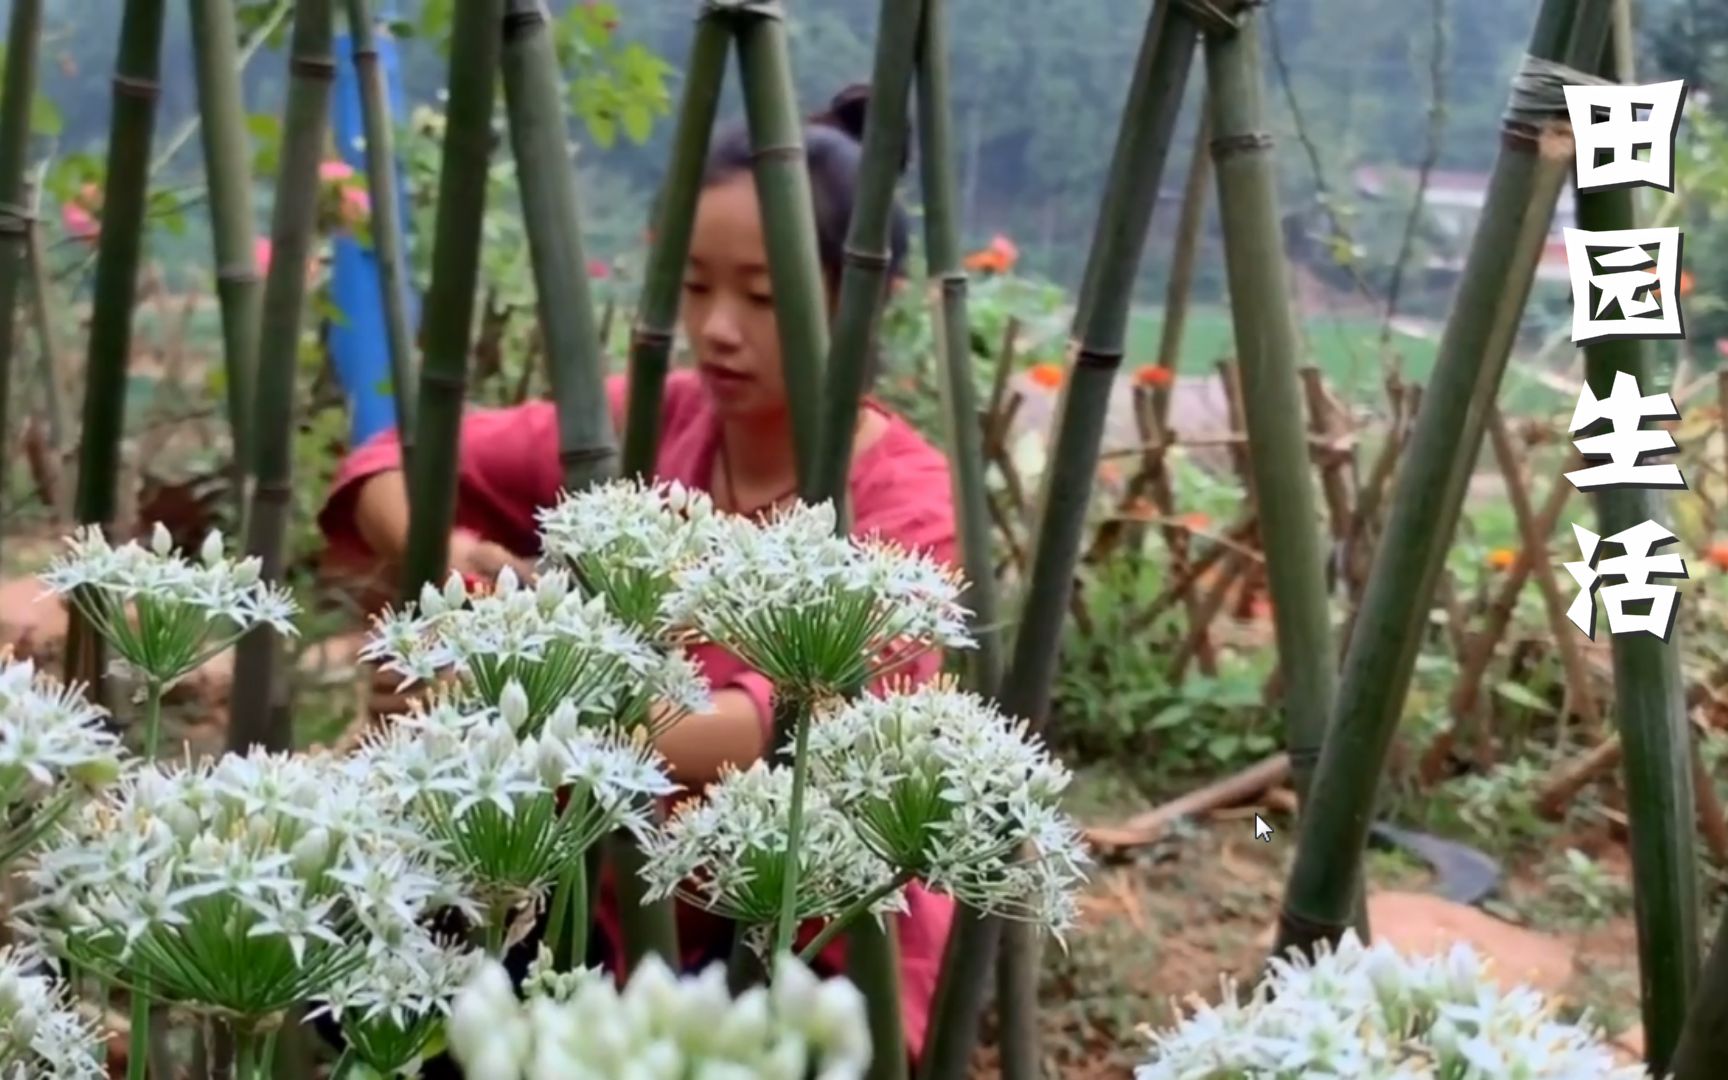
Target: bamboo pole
x: 1100, y: 330
x: 1266, y: 350
x: 387, y: 241
x: 132, y: 123
x: 449, y: 324
x: 970, y: 948
x: 23, y: 39
x: 864, y: 276
x: 228, y: 170
x: 1650, y: 709
x: 534, y: 95
x: 254, y: 720
x: 652, y: 927
x: 1535, y: 157
x: 788, y: 217
x: 657, y: 314
x: 1701, y: 1053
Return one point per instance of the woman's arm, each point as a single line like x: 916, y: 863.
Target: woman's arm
x: 731, y: 733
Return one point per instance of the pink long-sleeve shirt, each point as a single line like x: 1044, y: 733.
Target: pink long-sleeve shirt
x: 507, y: 468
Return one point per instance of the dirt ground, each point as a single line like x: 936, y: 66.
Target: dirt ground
x: 1201, y: 904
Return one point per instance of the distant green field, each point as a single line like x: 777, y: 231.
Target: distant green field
x: 1345, y: 350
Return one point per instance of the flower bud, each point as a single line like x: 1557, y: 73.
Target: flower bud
x: 311, y: 853
x: 160, y: 542
x: 455, y: 591
x: 551, y: 589
x: 95, y: 773
x: 248, y: 572
x: 508, y: 582
x: 513, y: 705
x: 431, y: 600
x: 211, y: 553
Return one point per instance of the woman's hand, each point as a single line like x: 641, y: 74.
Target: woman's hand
x: 483, y: 559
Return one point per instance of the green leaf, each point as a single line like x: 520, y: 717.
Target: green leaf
x: 638, y: 122
x: 1224, y: 747
x: 45, y: 116
x: 1520, y: 695
x: 1171, y: 715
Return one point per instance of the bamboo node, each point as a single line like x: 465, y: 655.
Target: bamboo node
x: 133, y: 87
x: 1247, y: 142
x: 649, y: 337
x: 1555, y: 142
x: 1102, y: 359
x: 583, y: 455
x: 793, y: 151
x: 520, y: 23
x: 443, y: 380
x: 864, y: 260
x: 1305, y: 931
x: 757, y: 9
x: 953, y: 283
x: 238, y: 274
x: 1216, y: 18
x: 15, y: 220
x: 312, y: 67
x: 1539, y: 89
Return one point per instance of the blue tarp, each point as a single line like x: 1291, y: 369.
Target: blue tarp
x: 359, y: 339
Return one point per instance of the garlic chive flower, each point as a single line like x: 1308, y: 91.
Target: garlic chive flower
x: 796, y: 1028
x: 163, y: 614
x: 941, y: 785
x: 240, y: 887
x: 509, y: 810
x: 627, y: 540
x: 42, y: 1037
x: 53, y: 750
x: 559, y: 647
x: 818, y: 614
x: 397, y: 1000
x: 1372, y: 1013
x: 728, y: 852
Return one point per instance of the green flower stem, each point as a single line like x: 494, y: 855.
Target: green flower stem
x: 496, y: 920
x: 567, y: 925
x: 138, y: 1044
x: 837, y: 925
x: 152, y: 718
x: 245, y: 1054
x: 267, y: 1053
x: 342, y: 1063
x: 799, y: 714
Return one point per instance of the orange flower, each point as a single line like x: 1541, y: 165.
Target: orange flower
x: 1049, y: 376
x: 1502, y: 558
x: 1195, y: 521
x: 1154, y: 375
x: 998, y: 258
x: 1717, y: 556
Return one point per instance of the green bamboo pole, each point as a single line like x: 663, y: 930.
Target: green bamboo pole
x: 1702, y: 1052
x: 864, y: 278
x: 386, y: 219
x: 651, y: 927
x: 1650, y: 710
x: 228, y: 168
x: 657, y: 315
x: 294, y: 221
x: 788, y: 215
x: 1142, y: 147
x: 971, y: 942
x: 23, y: 37
x: 1266, y: 350
x: 131, y: 126
x: 534, y: 95
x: 1535, y: 157
x: 475, y: 47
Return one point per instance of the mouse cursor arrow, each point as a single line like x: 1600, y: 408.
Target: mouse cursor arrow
x: 1262, y: 831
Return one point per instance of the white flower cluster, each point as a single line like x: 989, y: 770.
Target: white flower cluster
x: 817, y: 613
x: 245, y: 885
x: 49, y: 735
x: 627, y: 541
x: 177, y: 605
x: 511, y: 810
x: 727, y: 852
x: 42, y: 1037
x: 1373, y: 1014
x: 663, y: 1026
x: 557, y: 645
x: 942, y: 785
x: 393, y: 1003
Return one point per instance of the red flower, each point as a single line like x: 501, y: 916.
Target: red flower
x: 599, y: 269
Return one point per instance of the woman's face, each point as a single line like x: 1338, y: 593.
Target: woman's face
x: 728, y: 307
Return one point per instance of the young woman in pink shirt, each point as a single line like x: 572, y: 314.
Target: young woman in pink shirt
x: 725, y: 429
